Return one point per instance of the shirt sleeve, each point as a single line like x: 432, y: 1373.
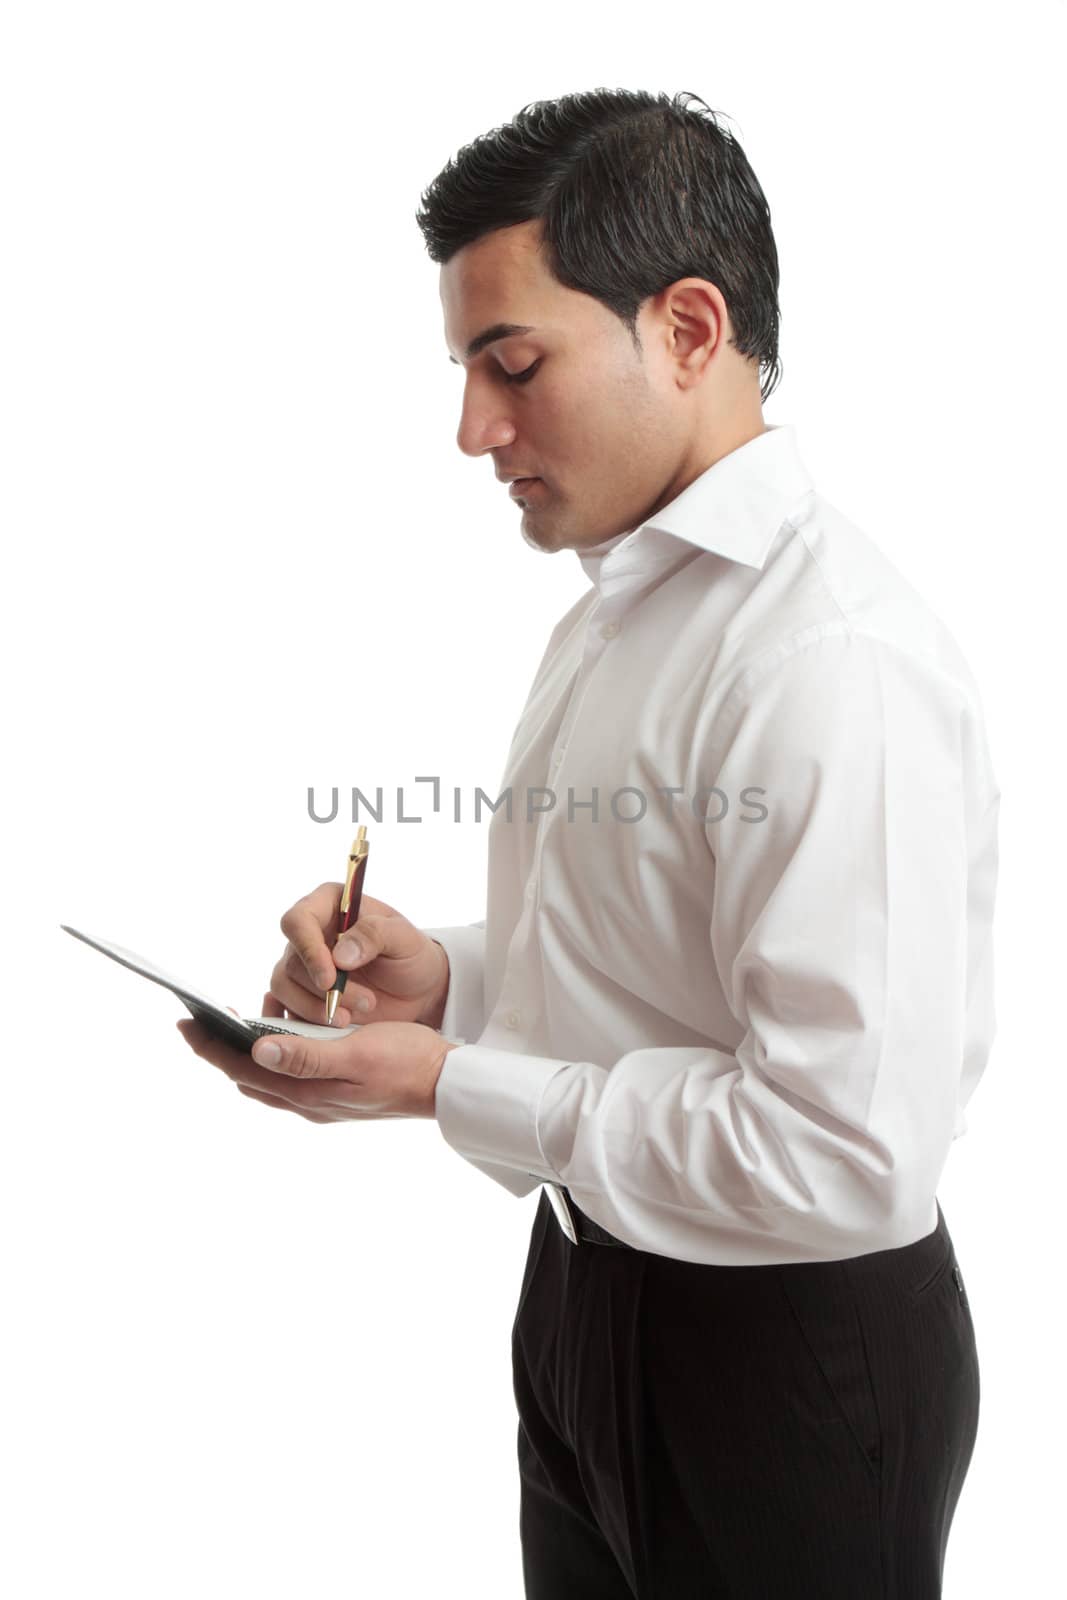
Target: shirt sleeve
x: 464, y: 1018
x: 838, y: 930
x: 464, y: 1014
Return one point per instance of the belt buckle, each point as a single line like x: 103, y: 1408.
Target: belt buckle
x: 558, y: 1201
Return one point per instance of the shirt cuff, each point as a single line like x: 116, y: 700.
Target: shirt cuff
x: 487, y: 1103
x: 464, y: 1014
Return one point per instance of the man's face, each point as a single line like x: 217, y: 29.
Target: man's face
x: 588, y: 425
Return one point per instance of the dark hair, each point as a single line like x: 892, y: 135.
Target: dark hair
x: 635, y: 191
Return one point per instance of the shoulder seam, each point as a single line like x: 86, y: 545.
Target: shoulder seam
x: 799, y: 531
x: 792, y: 645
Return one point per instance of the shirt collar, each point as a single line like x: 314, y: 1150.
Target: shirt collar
x: 733, y: 509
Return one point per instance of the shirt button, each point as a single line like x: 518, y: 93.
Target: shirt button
x: 529, y: 891
x: 512, y: 1019
x: 609, y: 630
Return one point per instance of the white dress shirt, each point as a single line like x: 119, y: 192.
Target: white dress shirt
x: 740, y: 1026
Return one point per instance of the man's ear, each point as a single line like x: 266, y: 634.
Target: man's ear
x: 699, y: 326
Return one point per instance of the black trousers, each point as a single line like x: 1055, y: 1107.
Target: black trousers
x: 749, y: 1433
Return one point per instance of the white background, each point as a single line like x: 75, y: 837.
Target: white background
x: 248, y: 1355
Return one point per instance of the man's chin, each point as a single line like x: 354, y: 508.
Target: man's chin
x: 541, y: 540
x: 538, y: 531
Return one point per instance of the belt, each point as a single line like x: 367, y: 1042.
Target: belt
x: 575, y: 1224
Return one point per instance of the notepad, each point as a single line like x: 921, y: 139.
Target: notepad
x: 240, y: 1031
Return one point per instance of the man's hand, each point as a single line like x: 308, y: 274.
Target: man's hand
x: 387, y: 1069
x: 398, y: 972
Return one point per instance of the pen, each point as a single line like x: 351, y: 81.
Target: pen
x: 350, y: 898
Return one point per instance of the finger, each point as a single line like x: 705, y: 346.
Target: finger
x: 289, y: 986
x: 310, y: 1010
x: 357, y: 997
x: 298, y: 1001
x: 282, y: 1105
x: 373, y: 951
x: 292, y: 972
x: 304, y: 925
x: 295, y: 1057
x: 346, y: 1112
x: 371, y: 936
x: 283, y: 1092
x: 208, y: 1046
x: 315, y: 919
x: 299, y: 1094
x: 392, y: 957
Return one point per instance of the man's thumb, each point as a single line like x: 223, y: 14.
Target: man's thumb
x: 294, y: 1056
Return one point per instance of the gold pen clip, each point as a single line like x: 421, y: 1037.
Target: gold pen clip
x: 359, y: 851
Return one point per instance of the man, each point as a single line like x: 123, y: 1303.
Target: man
x: 734, y: 985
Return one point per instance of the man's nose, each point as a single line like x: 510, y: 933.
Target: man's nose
x: 484, y: 427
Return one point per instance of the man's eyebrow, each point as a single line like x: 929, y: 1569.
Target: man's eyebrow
x: 499, y: 330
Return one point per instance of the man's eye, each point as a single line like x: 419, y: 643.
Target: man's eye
x: 524, y: 376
